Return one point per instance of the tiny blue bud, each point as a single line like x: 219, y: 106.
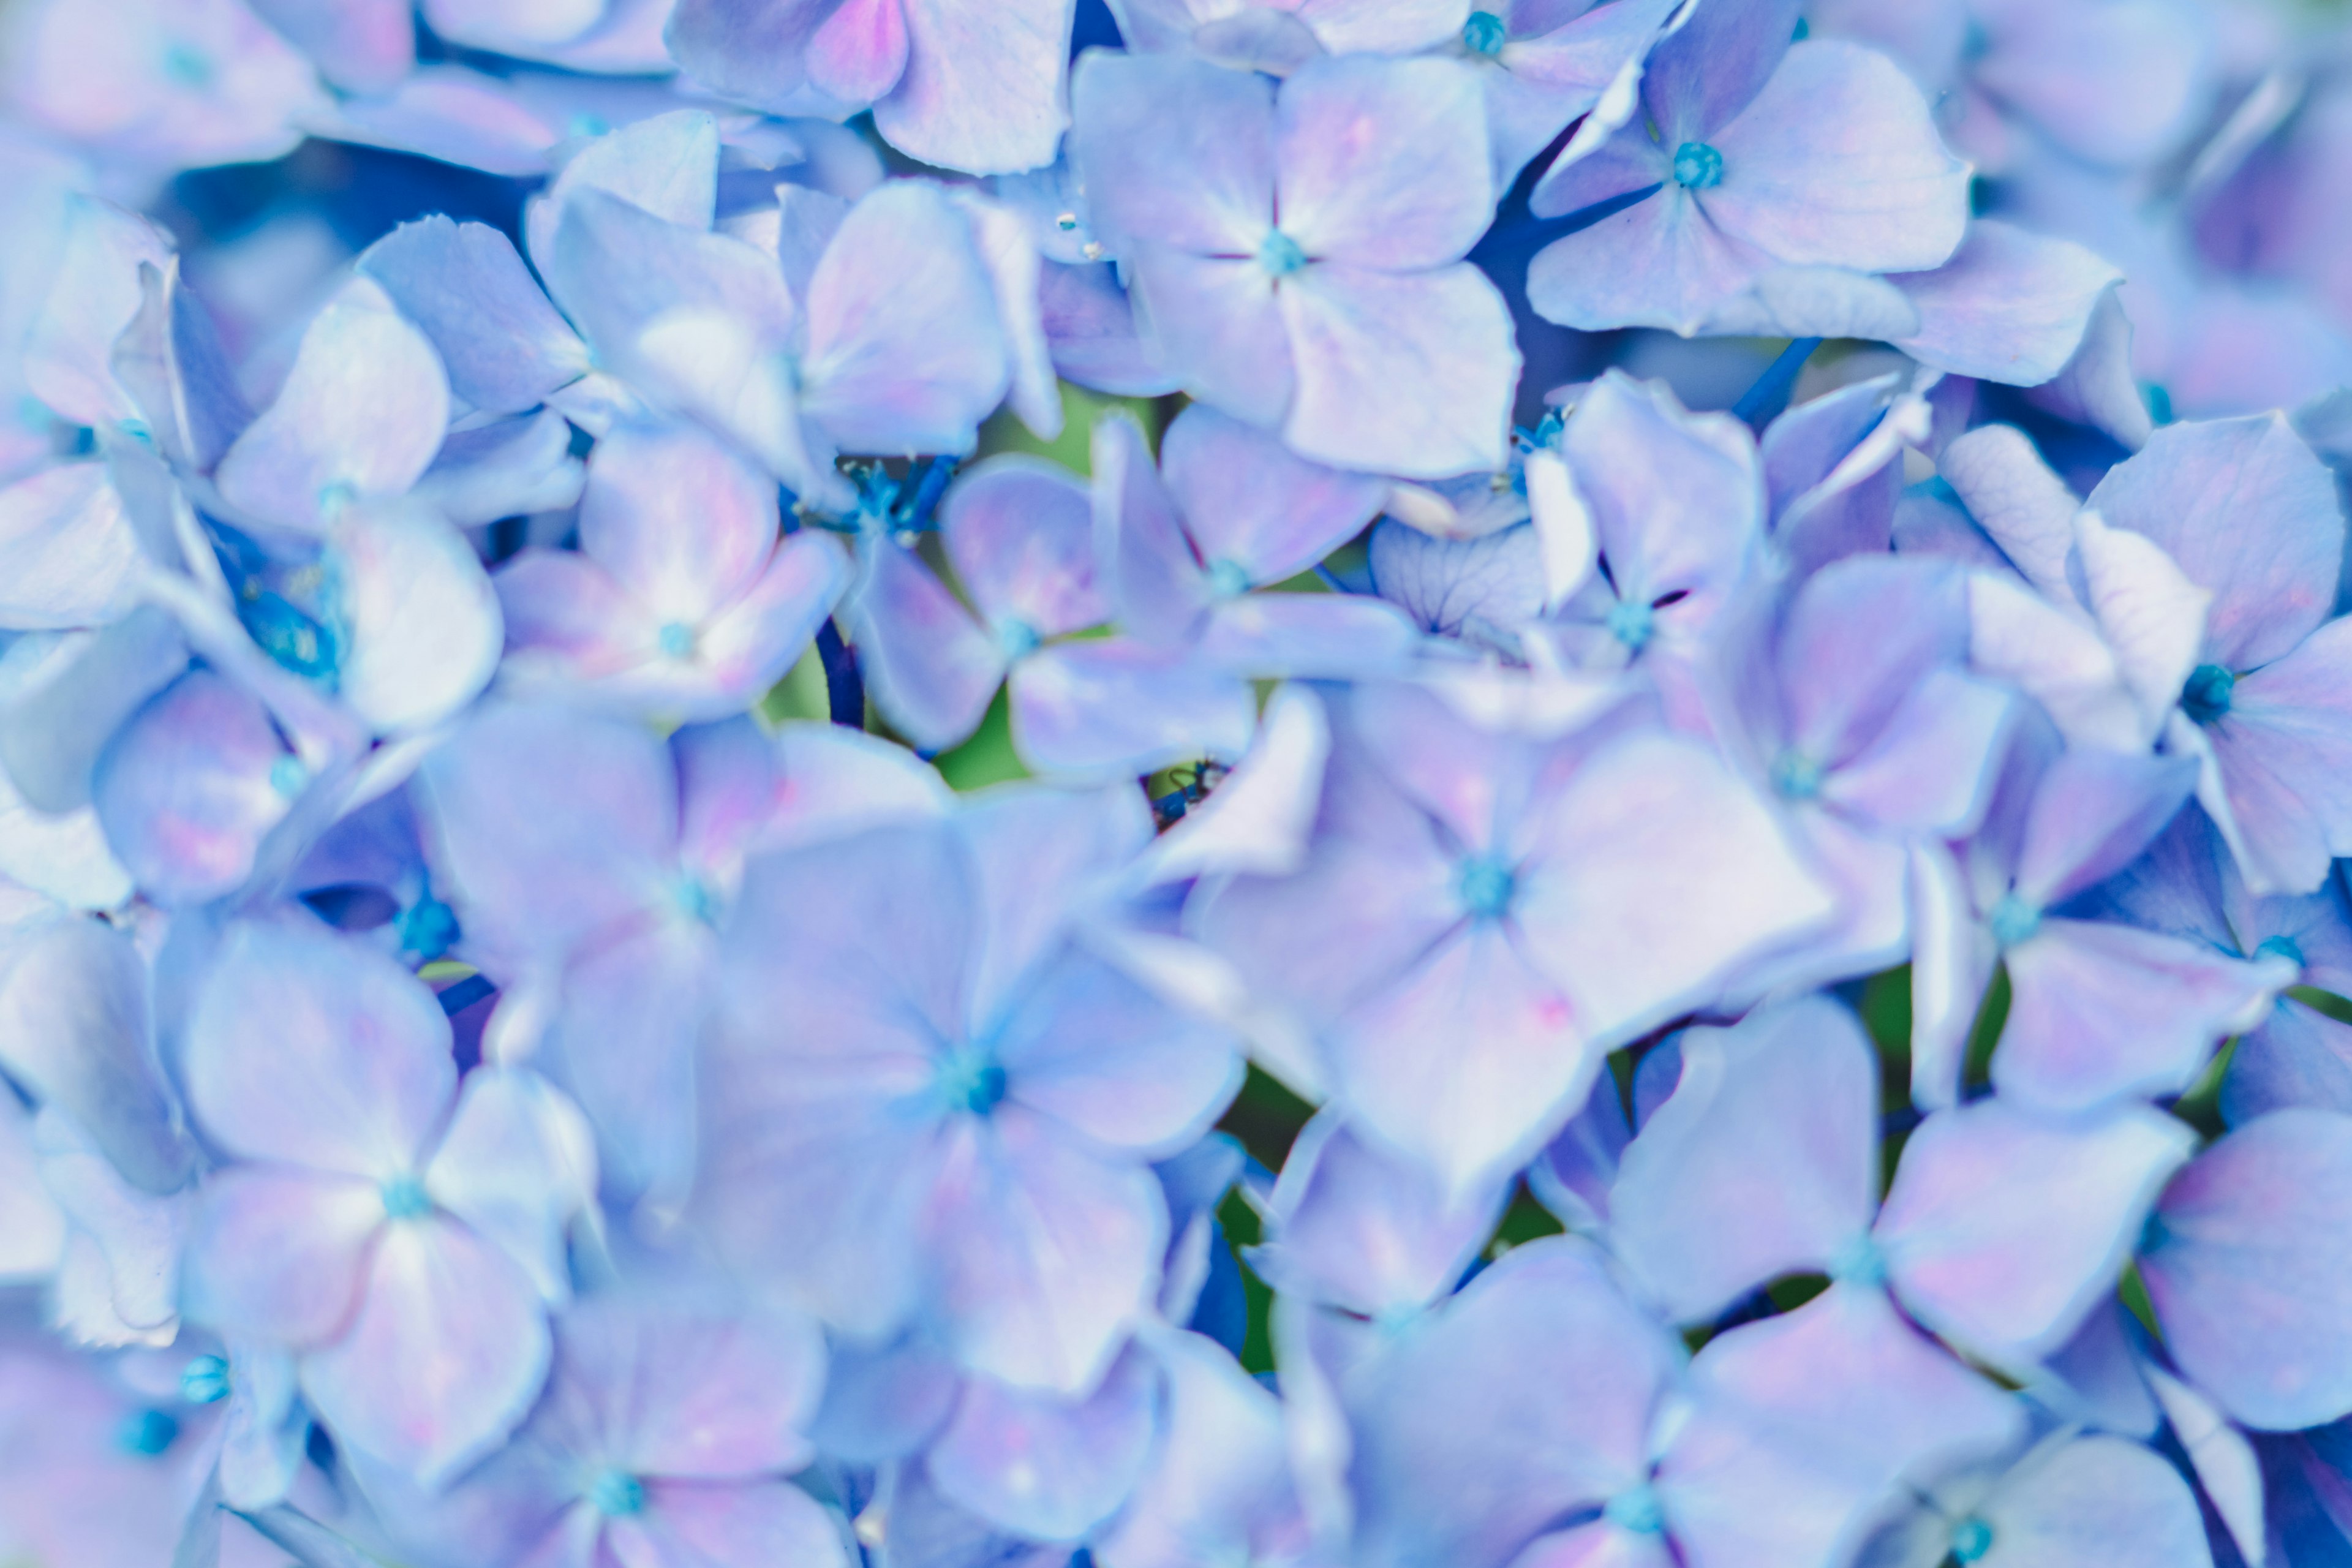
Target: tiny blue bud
x: 1631, y: 623
x: 1065, y: 222
x: 204, y: 1381
x: 1697, y: 166
x: 1227, y: 579
x: 1636, y: 1509
x: 971, y: 1079
x: 288, y: 775
x: 428, y: 928
x: 1017, y: 640
x: 1797, y: 777
x: 404, y: 1198
x: 1487, y: 886
x: 2159, y: 402
x: 1484, y: 34
x: 1279, y: 254
x: 2286, y: 947
x: 147, y: 1433
x: 694, y: 899
x: 2206, y: 696
x: 617, y: 1494
x: 2013, y: 920
x: 1972, y: 1538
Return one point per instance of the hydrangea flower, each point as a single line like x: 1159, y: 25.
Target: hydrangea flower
x: 1300, y: 266
x: 401, y: 1238
x: 1767, y: 154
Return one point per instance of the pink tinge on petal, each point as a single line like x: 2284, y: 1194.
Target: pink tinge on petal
x: 860, y: 51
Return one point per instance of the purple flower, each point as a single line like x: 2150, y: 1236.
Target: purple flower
x: 1541, y: 1418
x: 1766, y: 154
x: 929, y: 1102
x: 681, y: 600
x: 2252, y: 517
x: 2099, y: 1010
x: 1763, y: 1162
x: 1296, y: 257
x: 666, y: 1435
x: 964, y: 84
x: 1483, y: 914
x: 400, y: 1238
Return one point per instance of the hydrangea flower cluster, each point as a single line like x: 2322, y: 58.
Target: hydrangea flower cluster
x: 1175, y: 783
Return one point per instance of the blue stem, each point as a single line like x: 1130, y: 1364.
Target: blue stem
x: 1771, y: 393
x: 845, y: 688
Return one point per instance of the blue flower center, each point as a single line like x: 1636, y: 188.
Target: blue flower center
x: 1631, y: 623
x: 204, y: 1381
x: 1017, y: 640
x: 1484, y: 34
x: 677, y: 640
x: 288, y: 775
x: 1697, y: 166
x: 1859, y: 1262
x: 2206, y: 697
x: 1972, y: 1538
x: 2286, y: 947
x: 404, y: 1198
x: 694, y: 899
x: 427, y: 928
x: 1487, y: 886
x: 147, y: 1433
x: 1279, y: 254
x: 1227, y: 579
x: 187, y: 66
x: 617, y: 1494
x: 293, y: 639
x: 335, y: 497
x: 971, y: 1081
x: 1797, y: 777
x: 1636, y: 1510
x: 2013, y: 920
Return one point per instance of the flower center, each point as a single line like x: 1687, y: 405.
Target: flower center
x: 1279, y: 254
x: 1636, y: 1510
x: 1631, y: 623
x: 1797, y: 777
x: 204, y: 1381
x: 1697, y: 166
x: 147, y: 1433
x: 428, y: 927
x: 187, y: 66
x: 617, y: 1494
x: 971, y: 1081
x: 1487, y: 886
x: 1484, y: 34
x: 2206, y: 697
x: 677, y: 640
x: 2286, y: 947
x: 1859, y: 1262
x: 288, y: 775
x: 1227, y: 579
x: 404, y: 1198
x: 1017, y: 640
x: 694, y: 899
x: 2013, y: 920
x: 1972, y: 1538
